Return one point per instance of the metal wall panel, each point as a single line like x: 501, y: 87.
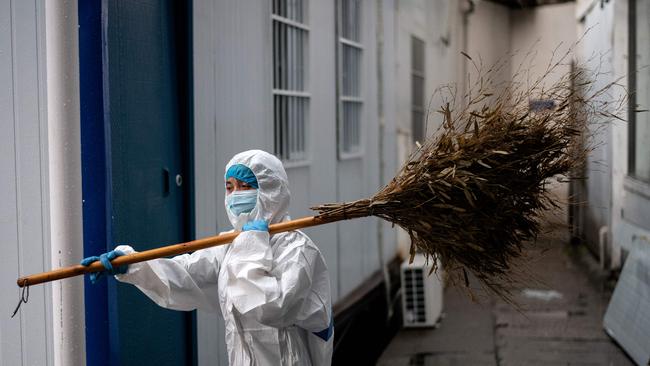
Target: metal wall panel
x: 316, y: 182
x: 234, y: 112
x: 27, y: 338
x: 387, y: 117
x: 358, y: 177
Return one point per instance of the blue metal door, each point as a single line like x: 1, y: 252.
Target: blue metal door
x: 146, y: 81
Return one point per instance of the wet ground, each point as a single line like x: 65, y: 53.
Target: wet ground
x: 559, y: 321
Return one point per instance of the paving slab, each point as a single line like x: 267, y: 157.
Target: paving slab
x: 557, y: 320
x: 464, y: 337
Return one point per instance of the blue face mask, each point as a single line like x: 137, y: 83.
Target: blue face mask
x: 240, y: 202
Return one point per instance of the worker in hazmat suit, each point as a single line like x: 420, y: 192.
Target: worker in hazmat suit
x: 273, y: 291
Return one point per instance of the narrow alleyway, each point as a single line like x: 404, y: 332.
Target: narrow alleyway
x: 560, y: 322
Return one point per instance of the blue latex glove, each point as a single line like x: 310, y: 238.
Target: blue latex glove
x: 106, y: 259
x: 257, y: 225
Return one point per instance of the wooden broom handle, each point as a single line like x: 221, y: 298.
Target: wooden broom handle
x: 161, y: 252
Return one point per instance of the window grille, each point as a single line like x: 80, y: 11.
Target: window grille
x: 350, y: 52
x: 290, y: 97
x: 417, y: 90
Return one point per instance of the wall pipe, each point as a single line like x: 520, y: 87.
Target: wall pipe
x: 603, y: 234
x: 467, y: 9
x: 64, y: 148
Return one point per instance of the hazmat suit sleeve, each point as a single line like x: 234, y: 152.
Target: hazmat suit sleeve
x: 185, y: 282
x: 275, y: 284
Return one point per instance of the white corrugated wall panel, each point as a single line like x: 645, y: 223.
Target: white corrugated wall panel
x: 27, y: 338
x: 232, y: 112
x: 358, y: 177
x: 233, y: 96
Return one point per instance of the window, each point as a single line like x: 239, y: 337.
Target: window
x: 290, y: 97
x: 639, y: 88
x: 350, y: 51
x: 417, y: 90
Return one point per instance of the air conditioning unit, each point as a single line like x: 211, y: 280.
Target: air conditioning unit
x: 421, y: 293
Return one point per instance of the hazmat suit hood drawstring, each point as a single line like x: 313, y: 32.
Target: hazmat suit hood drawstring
x: 273, y: 194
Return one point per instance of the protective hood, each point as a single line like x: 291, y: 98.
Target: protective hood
x: 273, y: 193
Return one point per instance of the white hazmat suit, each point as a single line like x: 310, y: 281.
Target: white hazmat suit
x: 274, y: 292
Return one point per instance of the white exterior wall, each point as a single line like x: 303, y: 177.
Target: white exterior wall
x: 620, y: 233
x: 490, y: 33
x: 548, y: 32
x: 627, y: 200
x: 447, y: 28
x: 26, y: 339
x: 597, y: 188
x: 435, y: 23
x: 358, y: 177
x: 622, y: 201
x: 233, y: 112
x: 488, y: 39
x: 439, y: 25
x: 539, y: 37
x: 387, y: 114
x: 608, y: 164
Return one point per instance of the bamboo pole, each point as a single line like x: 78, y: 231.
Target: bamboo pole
x: 165, y: 251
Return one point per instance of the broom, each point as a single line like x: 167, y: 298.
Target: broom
x: 471, y: 194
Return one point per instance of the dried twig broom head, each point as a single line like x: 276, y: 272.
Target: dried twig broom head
x: 473, y: 193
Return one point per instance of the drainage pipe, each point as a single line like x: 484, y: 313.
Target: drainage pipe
x: 64, y: 149
x: 603, y: 233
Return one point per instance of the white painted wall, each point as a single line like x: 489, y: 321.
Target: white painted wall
x: 620, y: 238
x: 539, y: 37
x: 619, y: 137
x: 359, y: 176
x: 488, y: 40
x: 624, y: 200
x: 440, y: 24
x: 26, y: 339
x: 629, y: 198
x: 433, y: 22
x: 490, y: 33
x: 233, y: 112
x: 387, y: 120
x: 545, y: 33
x: 436, y: 23
x: 597, y: 189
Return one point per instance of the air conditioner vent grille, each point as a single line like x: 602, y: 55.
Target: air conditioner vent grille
x: 421, y: 292
x: 414, y: 295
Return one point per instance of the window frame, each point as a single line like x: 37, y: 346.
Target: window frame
x: 632, y: 84
x: 419, y: 74
x: 282, y: 149
x: 341, y: 98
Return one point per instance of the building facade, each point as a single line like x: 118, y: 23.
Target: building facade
x: 119, y: 118
x: 613, y: 216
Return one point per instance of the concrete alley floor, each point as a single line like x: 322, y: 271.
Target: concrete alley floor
x: 563, y: 329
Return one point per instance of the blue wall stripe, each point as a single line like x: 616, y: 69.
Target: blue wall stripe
x: 93, y: 165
